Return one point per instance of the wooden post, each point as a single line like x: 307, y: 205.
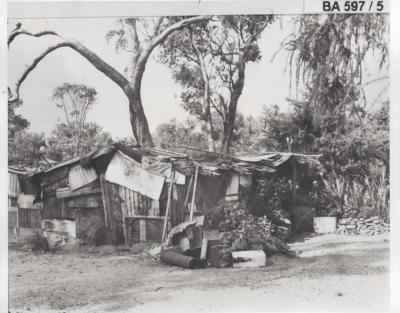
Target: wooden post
x: 104, y: 195
x: 203, y: 252
x: 167, y: 210
x: 194, y: 194
x: 18, y: 216
x: 125, y: 229
x: 294, y: 177
x: 186, y: 202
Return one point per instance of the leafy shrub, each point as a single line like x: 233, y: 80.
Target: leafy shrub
x: 239, y: 223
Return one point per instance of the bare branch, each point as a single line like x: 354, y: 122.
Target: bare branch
x: 179, y: 25
x: 17, y: 32
x: 93, y: 58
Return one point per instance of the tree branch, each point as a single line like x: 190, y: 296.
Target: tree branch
x: 134, y: 34
x: 164, y: 34
x: 93, y: 58
x: 161, y: 37
x: 157, y: 26
x: 16, y: 33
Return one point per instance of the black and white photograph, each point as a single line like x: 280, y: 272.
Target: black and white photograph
x: 198, y: 162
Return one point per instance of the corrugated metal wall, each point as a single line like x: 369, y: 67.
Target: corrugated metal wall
x: 133, y: 203
x: 29, y: 218
x: 14, y: 187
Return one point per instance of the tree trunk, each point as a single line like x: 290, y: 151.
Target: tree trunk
x: 140, y: 127
x: 229, y: 123
x: 130, y: 87
x: 208, y: 126
x: 207, y: 114
x: 206, y: 97
x: 210, y: 131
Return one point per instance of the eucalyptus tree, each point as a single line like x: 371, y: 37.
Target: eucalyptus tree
x: 209, y: 60
x: 75, y: 101
x: 188, y: 55
x: 328, y: 54
x: 139, y: 36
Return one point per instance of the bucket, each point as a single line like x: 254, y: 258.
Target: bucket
x: 325, y: 225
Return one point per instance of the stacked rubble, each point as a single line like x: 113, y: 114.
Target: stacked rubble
x: 362, y: 226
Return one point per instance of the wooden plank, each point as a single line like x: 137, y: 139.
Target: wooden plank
x: 66, y: 193
x: 145, y: 217
x: 89, y: 201
x: 116, y: 213
x: 203, y: 249
x: 142, y: 229
x: 164, y: 233
x: 186, y: 202
x: 194, y: 194
x: 105, y: 197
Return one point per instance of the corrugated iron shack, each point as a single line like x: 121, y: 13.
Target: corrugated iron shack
x: 116, y: 193
x: 22, y: 213
x: 120, y: 195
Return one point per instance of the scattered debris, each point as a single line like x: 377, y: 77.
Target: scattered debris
x: 220, y: 256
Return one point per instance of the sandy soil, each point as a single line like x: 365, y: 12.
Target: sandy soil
x: 333, y: 273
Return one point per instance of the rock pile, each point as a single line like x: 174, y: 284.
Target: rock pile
x: 362, y: 226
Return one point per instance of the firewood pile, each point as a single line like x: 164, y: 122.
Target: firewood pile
x: 362, y: 226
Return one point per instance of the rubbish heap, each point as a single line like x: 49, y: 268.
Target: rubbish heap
x: 243, y: 241
x: 362, y: 226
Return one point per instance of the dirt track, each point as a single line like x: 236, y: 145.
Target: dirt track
x: 333, y: 273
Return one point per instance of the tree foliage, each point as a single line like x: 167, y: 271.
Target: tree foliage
x: 16, y: 122
x: 76, y: 100
x: 174, y: 134
x: 61, y: 145
x: 26, y: 149
x: 209, y: 61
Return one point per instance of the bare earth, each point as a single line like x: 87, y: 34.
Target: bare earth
x: 333, y: 273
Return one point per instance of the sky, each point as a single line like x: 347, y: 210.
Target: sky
x: 267, y: 82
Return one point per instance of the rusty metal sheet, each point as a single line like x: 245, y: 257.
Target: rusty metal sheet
x: 14, y: 187
x: 79, y: 176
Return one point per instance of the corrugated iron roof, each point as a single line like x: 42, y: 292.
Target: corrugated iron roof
x: 79, y: 176
x: 273, y: 160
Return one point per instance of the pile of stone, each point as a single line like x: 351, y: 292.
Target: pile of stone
x: 362, y: 226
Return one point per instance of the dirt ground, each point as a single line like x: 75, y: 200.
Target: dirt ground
x: 333, y: 273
